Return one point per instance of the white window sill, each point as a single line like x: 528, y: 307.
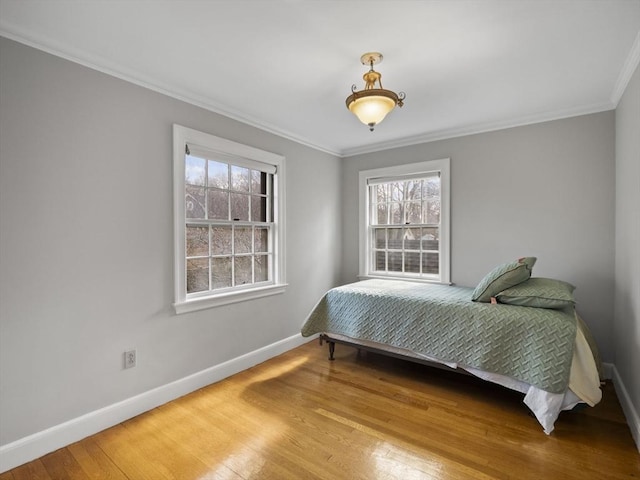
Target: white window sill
x: 202, y: 303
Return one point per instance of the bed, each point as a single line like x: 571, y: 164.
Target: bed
x: 545, y: 353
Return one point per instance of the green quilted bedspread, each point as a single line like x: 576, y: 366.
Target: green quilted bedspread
x: 534, y: 345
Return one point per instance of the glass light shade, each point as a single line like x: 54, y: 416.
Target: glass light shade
x: 371, y: 109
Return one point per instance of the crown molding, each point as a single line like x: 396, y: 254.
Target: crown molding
x: 102, y: 65
x: 629, y: 67
x: 474, y: 129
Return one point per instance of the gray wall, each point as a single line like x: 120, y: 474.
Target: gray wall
x: 544, y: 190
x: 627, y: 278
x: 86, y: 243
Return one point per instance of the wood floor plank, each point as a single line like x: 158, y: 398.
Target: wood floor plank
x: 61, y: 465
x: 136, y: 457
x: 300, y: 416
x: 94, y: 461
x: 31, y: 471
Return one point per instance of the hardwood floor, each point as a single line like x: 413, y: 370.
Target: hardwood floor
x: 299, y: 416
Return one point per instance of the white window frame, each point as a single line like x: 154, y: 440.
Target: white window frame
x: 243, y: 154
x: 442, y: 166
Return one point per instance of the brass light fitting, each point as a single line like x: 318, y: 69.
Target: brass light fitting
x: 373, y: 103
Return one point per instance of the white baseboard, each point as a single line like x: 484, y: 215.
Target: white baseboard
x: 34, y: 446
x: 633, y: 419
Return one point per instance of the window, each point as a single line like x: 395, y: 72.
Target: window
x: 404, y: 222
x: 229, y: 233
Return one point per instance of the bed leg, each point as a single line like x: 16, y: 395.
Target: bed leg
x: 332, y: 348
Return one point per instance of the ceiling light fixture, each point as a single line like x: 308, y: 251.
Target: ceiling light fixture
x: 372, y: 104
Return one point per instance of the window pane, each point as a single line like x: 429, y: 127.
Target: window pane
x: 261, y: 268
x: 381, y: 193
x: 397, y: 214
x: 414, y: 212
x: 194, y: 202
x: 258, y: 209
x: 430, y: 239
x: 239, y: 207
x: 380, y: 261
x: 261, y: 240
x: 396, y: 191
x: 197, y: 241
x: 221, y: 272
x: 221, y: 241
x: 412, y: 238
x: 394, y: 239
x: 271, y: 204
x: 218, y: 204
x: 413, y: 190
x: 239, y: 178
x: 383, y: 212
x: 381, y: 240
x: 258, y: 182
x: 218, y: 175
x: 412, y: 262
x: 194, y: 170
x: 431, y: 187
x: 242, y: 270
x: 197, y: 275
x: 432, y: 211
x: 430, y: 263
x: 242, y: 240
x: 394, y: 263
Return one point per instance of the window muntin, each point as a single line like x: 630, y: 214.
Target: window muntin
x: 404, y: 226
x: 229, y: 221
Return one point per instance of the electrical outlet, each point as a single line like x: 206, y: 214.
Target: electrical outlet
x: 130, y: 359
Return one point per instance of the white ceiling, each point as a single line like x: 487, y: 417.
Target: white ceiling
x: 288, y: 65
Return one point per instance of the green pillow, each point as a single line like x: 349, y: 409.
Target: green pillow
x: 502, y: 277
x: 540, y: 293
